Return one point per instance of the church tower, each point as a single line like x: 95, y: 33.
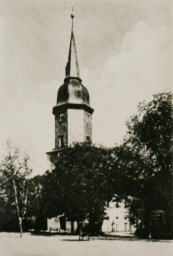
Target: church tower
x: 73, y: 114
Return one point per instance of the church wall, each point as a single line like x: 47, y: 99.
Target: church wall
x: 118, y: 219
x: 61, y: 127
x: 75, y: 126
x: 53, y: 224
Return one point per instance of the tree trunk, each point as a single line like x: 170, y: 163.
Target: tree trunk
x: 72, y: 227
x: 20, y: 226
x: 78, y: 227
x: 17, y: 208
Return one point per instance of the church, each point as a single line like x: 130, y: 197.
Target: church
x: 73, y: 124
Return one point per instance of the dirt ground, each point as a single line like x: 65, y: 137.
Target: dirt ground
x: 31, y: 245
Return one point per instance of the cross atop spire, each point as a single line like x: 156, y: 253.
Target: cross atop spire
x: 72, y: 67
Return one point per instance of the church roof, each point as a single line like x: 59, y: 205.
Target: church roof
x: 73, y: 91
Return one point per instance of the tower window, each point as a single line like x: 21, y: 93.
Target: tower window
x: 125, y: 227
x: 61, y: 117
x: 88, y: 141
x: 117, y: 205
x: 61, y: 141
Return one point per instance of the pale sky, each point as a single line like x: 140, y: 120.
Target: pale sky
x: 124, y: 52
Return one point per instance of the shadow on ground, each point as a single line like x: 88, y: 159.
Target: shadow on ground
x: 116, y: 237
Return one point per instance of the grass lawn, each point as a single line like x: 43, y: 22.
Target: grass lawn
x: 29, y: 245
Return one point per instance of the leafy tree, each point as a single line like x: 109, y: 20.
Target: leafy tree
x: 80, y: 185
x: 8, y: 221
x: 148, y: 166
x: 35, y: 209
x: 14, y: 171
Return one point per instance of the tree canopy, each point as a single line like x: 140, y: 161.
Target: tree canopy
x: 148, y: 164
x: 14, y: 171
x: 81, y: 184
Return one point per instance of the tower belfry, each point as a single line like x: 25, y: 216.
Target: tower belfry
x: 73, y: 114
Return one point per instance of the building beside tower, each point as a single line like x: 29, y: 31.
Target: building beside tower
x: 73, y: 124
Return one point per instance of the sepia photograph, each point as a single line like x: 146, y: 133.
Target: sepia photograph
x: 86, y: 134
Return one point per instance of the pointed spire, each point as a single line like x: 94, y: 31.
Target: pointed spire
x: 72, y: 67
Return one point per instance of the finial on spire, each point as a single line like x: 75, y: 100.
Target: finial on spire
x: 72, y: 15
x: 72, y: 12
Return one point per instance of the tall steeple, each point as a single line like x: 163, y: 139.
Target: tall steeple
x: 72, y: 66
x: 73, y: 113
